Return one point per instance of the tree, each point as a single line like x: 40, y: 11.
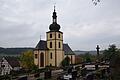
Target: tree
x: 87, y: 57
x: 112, y: 54
x: 115, y: 66
x: 108, y: 53
x: 27, y: 59
x: 95, y: 2
x: 66, y: 61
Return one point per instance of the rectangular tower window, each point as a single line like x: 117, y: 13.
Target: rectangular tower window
x: 50, y: 44
x: 59, y: 45
x: 50, y: 55
x: 50, y: 35
x: 58, y: 35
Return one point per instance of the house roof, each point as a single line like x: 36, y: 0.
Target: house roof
x: 67, y: 50
x: 13, y: 61
x: 42, y: 45
x: 0, y: 59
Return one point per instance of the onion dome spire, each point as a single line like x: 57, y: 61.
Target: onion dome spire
x: 54, y: 16
x: 54, y: 26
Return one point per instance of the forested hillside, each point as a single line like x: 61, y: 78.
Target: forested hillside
x: 13, y: 51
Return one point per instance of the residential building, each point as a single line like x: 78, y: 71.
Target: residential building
x: 7, y: 64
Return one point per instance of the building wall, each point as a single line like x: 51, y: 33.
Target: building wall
x: 56, y: 51
x: 7, y: 68
x: 72, y: 58
x: 60, y: 57
x: 51, y: 61
x: 53, y: 35
x: 37, y: 60
x: 36, y: 52
x: 57, y: 48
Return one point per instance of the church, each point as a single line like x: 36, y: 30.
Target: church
x: 52, y: 51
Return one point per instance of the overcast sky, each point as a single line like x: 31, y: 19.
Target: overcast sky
x: 83, y: 24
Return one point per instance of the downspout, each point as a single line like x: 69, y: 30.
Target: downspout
x: 55, y: 52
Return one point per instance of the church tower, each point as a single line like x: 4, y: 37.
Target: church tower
x: 52, y: 51
x: 55, y: 43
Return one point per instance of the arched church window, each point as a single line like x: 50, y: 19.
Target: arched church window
x: 50, y: 44
x: 36, y: 55
x: 42, y: 59
x: 58, y: 35
x: 50, y: 35
x: 59, y: 45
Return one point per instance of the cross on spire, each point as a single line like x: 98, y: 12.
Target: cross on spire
x: 54, y: 7
x: 54, y: 16
x: 54, y: 26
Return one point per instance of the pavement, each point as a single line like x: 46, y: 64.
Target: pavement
x: 55, y: 74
